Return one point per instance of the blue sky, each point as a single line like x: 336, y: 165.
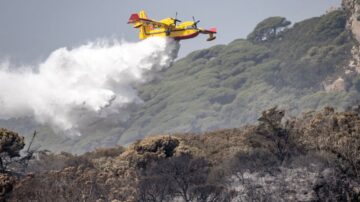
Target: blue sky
x: 30, y: 30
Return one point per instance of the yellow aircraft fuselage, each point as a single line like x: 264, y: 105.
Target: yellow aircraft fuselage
x: 184, y: 30
x: 167, y: 27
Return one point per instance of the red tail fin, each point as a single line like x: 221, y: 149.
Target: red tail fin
x: 133, y: 18
x: 213, y: 30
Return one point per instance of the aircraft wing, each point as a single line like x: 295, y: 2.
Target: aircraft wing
x: 134, y: 18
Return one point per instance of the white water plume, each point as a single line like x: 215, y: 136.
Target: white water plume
x: 75, y: 85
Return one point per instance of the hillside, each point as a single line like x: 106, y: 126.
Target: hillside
x: 300, y: 68
x: 229, y: 85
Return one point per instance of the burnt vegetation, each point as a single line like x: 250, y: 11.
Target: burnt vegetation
x: 314, y: 157
x: 12, y: 164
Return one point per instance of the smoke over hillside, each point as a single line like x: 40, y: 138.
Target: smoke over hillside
x: 74, y: 87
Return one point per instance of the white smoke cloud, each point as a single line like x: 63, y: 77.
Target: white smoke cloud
x: 74, y: 86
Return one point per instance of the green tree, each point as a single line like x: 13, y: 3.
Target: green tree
x: 268, y: 29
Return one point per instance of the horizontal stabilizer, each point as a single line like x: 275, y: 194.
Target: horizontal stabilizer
x: 211, y: 38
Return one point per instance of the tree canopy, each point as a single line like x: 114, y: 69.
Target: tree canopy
x: 268, y: 29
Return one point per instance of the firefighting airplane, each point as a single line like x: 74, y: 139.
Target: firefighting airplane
x: 168, y: 28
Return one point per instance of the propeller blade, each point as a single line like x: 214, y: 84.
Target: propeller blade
x: 176, y: 20
x: 195, y: 22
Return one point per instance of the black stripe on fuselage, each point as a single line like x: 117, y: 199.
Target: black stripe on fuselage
x: 176, y: 30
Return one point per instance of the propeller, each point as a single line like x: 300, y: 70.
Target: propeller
x: 176, y: 20
x: 195, y: 22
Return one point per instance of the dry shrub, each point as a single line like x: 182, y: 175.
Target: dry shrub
x: 11, y: 143
x: 143, y: 152
x: 80, y: 180
x: 6, y: 185
x: 334, y: 132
